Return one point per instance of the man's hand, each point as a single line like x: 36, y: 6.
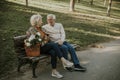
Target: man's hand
x: 60, y: 42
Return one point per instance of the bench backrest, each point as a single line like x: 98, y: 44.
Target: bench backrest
x: 19, y: 45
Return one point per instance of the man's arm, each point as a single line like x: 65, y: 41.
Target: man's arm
x: 49, y: 30
x: 62, y: 32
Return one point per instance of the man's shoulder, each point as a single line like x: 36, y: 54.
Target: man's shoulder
x: 58, y: 24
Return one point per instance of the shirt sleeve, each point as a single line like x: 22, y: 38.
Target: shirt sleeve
x: 62, y: 32
x: 49, y: 30
x: 28, y: 32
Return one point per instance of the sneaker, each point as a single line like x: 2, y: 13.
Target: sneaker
x: 79, y: 68
x: 69, y: 69
x: 67, y: 64
x: 57, y: 75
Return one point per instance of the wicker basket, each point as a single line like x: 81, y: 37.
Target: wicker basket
x: 33, y: 51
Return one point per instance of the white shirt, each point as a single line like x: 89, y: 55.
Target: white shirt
x: 55, y: 32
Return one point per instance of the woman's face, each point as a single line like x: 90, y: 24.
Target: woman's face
x: 39, y: 23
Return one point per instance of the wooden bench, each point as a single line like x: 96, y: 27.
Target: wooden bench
x: 21, y: 55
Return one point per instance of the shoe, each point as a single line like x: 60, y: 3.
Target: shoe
x: 67, y: 64
x: 79, y: 68
x: 57, y: 75
x: 69, y: 69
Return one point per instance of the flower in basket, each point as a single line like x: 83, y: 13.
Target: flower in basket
x: 33, y: 40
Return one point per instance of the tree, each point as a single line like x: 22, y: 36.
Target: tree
x: 72, y: 5
x: 91, y: 2
x: 26, y: 2
x: 109, y: 8
x: 105, y: 2
x: 78, y: 1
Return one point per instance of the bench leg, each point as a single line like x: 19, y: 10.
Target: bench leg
x: 22, y: 62
x: 19, y: 65
x: 34, y: 65
x: 18, y: 69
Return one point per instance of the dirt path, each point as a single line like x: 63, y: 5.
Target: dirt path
x: 102, y: 64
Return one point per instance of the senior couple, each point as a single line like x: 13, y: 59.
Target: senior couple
x: 54, y: 43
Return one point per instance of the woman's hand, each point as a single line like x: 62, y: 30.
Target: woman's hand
x: 28, y: 34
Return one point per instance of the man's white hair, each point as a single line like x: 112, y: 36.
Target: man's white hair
x: 35, y: 19
x: 51, y: 16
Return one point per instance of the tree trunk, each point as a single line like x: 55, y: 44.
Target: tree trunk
x: 109, y: 8
x: 78, y: 1
x: 105, y: 2
x: 91, y: 2
x: 72, y: 5
x: 26, y: 2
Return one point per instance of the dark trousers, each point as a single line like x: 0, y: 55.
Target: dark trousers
x: 53, y: 50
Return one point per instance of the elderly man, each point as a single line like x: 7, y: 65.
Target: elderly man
x: 57, y: 34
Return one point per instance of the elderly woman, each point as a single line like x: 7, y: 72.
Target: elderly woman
x: 47, y: 47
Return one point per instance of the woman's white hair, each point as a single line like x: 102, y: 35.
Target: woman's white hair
x: 51, y: 16
x: 35, y: 19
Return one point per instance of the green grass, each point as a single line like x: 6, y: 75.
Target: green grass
x: 84, y: 27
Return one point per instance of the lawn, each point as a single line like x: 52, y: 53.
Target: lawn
x: 87, y: 25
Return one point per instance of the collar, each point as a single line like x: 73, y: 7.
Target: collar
x: 52, y: 26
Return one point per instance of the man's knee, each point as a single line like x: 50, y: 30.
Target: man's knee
x: 64, y: 47
x: 69, y: 46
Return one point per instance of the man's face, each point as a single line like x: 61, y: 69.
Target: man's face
x: 51, y: 21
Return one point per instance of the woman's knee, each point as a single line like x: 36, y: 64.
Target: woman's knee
x: 52, y: 53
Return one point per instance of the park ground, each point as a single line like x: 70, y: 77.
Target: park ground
x: 86, y: 26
